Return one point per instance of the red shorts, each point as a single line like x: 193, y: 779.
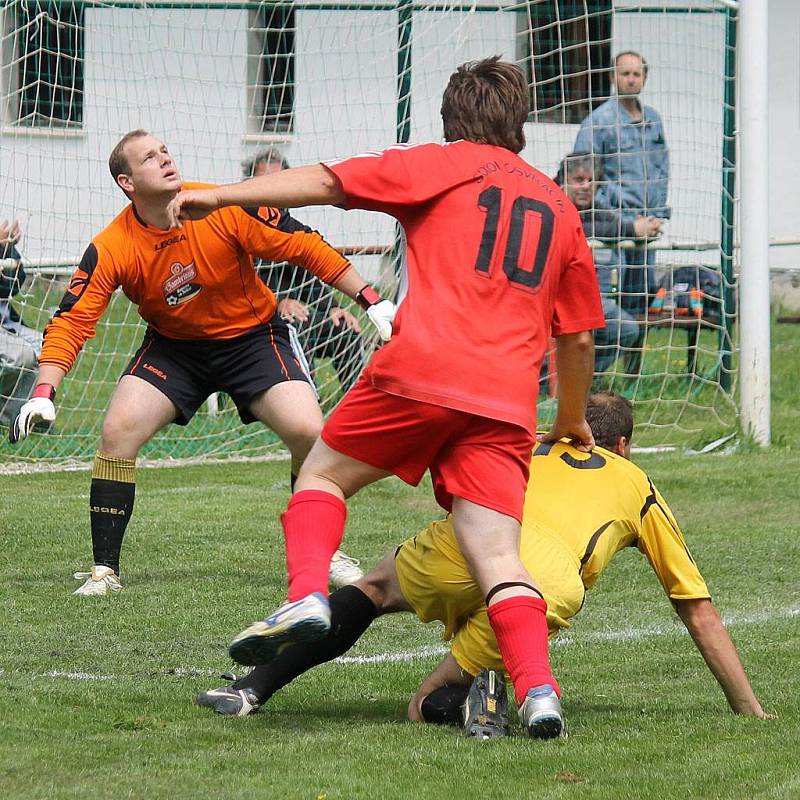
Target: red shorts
x: 469, y: 456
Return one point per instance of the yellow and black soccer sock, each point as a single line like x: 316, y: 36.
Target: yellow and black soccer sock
x: 110, y: 506
x: 352, y: 612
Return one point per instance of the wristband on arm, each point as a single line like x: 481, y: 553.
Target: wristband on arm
x: 367, y: 297
x: 45, y: 390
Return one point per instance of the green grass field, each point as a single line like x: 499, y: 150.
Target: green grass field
x: 96, y: 695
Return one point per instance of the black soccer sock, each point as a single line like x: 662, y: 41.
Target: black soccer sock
x: 352, y: 612
x: 443, y: 705
x: 110, y: 506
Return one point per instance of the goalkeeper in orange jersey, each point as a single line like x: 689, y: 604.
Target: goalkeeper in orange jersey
x: 565, y: 552
x: 211, y: 327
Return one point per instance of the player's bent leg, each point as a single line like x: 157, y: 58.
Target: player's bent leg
x: 352, y: 612
x: 489, y: 541
x: 292, y: 411
x: 137, y: 411
x: 440, y: 697
x: 314, y: 520
x: 382, y: 586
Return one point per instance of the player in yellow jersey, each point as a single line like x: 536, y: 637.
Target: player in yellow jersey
x: 611, y: 505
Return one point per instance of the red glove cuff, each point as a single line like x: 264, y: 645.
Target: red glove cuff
x: 46, y: 390
x: 367, y: 297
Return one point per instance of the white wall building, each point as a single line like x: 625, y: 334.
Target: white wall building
x: 186, y: 74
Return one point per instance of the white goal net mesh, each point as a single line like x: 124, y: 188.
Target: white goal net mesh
x: 228, y: 83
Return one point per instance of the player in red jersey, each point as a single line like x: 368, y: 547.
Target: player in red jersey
x: 497, y: 260
x: 211, y: 327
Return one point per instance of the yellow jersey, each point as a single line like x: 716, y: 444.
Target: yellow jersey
x: 580, y: 510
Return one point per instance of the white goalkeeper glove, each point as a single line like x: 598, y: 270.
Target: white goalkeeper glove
x: 39, y: 408
x: 380, y: 312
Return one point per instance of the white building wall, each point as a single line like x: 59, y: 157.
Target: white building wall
x: 182, y: 74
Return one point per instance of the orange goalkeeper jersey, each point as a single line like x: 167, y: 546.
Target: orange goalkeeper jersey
x: 194, y: 283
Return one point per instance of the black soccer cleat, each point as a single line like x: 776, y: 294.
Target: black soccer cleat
x: 486, y: 707
x: 228, y: 701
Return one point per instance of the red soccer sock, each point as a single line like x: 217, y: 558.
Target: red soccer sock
x: 520, y: 626
x: 313, y: 527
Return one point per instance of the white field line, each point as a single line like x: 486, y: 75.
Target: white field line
x: 34, y: 467
x: 627, y: 634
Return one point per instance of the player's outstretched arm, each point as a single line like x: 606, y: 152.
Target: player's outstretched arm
x: 40, y: 408
x: 575, y: 359
x: 315, y: 185
x: 707, y: 630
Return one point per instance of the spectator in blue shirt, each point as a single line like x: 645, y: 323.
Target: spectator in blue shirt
x: 629, y: 138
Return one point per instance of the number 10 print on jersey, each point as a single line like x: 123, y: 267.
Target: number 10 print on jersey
x: 528, y: 276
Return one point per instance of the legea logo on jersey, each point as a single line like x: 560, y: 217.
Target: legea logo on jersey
x: 179, y: 288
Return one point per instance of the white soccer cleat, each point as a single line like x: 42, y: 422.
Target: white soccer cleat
x: 305, y: 620
x: 540, y: 713
x: 100, y: 581
x: 344, y: 570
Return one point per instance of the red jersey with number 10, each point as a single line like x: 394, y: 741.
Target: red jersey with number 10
x: 497, y: 262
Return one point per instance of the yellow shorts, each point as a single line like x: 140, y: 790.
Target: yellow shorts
x: 436, y: 583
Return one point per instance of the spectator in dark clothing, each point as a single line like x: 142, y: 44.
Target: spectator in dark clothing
x: 19, y: 345
x: 578, y: 174
x: 325, y: 330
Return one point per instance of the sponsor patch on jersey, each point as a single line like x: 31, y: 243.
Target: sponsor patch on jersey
x: 269, y: 215
x: 179, y: 288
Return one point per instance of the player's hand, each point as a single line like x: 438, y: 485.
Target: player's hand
x: 293, y: 310
x: 37, y: 409
x: 191, y: 204
x: 9, y: 232
x: 579, y: 434
x: 341, y: 316
x: 380, y: 312
x: 647, y: 227
x: 381, y: 315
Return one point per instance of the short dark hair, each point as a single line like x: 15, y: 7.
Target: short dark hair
x: 641, y: 58
x: 118, y: 162
x: 577, y: 160
x: 486, y: 102
x: 610, y: 416
x: 269, y: 155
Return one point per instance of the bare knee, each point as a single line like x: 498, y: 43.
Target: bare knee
x: 120, y: 436
x: 300, y: 438
x: 382, y: 587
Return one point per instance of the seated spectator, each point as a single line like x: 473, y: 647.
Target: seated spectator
x: 578, y: 174
x: 325, y: 330
x: 19, y: 345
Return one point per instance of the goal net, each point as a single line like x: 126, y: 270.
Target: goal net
x: 227, y: 83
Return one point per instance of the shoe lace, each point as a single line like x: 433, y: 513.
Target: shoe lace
x: 82, y: 576
x: 343, y: 558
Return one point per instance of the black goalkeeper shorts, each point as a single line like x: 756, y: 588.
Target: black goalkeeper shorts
x: 188, y: 371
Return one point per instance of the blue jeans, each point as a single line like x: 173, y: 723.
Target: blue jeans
x: 621, y: 331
